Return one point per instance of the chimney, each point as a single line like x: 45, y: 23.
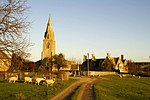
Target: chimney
x: 93, y: 57
x: 84, y: 58
x: 122, y: 57
x: 108, y: 55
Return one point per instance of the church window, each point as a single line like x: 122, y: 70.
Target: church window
x: 48, y: 45
x: 48, y: 36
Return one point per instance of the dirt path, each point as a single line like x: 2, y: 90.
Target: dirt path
x: 85, y: 93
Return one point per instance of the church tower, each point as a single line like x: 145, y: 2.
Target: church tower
x: 48, y: 41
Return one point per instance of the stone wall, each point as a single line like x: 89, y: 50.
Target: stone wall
x: 97, y: 73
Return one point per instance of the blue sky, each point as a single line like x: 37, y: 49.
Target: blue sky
x: 93, y: 26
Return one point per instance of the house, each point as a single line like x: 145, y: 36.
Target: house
x: 5, y: 61
x: 120, y: 64
x: 105, y: 64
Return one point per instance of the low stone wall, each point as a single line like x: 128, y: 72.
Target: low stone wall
x: 97, y: 73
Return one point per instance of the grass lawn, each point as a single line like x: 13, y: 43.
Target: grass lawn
x: 126, y: 88
x: 21, y: 91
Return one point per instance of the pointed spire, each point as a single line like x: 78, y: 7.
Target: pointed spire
x: 49, y: 20
x: 49, y: 27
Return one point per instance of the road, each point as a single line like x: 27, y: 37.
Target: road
x: 86, y: 85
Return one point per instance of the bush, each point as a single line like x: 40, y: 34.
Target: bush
x: 63, y: 75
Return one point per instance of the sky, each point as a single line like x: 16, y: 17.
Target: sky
x: 92, y: 26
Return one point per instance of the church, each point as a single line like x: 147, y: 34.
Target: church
x: 49, y: 49
x: 49, y: 45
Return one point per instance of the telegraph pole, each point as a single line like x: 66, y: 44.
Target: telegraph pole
x: 88, y: 63
x: 50, y: 66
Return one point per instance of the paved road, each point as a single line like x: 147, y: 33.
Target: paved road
x: 86, y: 91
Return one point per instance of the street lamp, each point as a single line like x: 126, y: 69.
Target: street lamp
x: 88, y: 63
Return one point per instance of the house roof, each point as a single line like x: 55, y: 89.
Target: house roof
x: 123, y: 60
x: 100, y: 61
x: 3, y: 55
x: 116, y: 59
x: 142, y: 63
x: 97, y: 61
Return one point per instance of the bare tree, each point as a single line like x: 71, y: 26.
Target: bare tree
x: 133, y: 68
x: 13, y: 27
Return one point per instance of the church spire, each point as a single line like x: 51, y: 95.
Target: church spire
x: 49, y: 29
x: 48, y: 41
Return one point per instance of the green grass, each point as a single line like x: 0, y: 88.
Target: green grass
x: 21, y: 91
x: 126, y: 88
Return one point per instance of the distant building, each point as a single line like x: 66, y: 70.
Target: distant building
x: 108, y: 64
x: 5, y: 61
x: 70, y: 66
x: 49, y: 46
x: 142, y: 64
